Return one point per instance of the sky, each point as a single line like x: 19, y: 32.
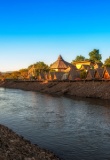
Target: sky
x: 41, y: 30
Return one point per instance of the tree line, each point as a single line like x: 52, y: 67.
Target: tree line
x: 94, y: 56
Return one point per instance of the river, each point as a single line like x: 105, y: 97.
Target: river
x: 72, y: 128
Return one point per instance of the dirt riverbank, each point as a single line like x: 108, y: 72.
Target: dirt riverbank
x: 92, y: 89
x: 15, y: 147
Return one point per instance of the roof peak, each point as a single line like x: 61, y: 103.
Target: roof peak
x: 60, y: 57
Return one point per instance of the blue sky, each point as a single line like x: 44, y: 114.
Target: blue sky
x: 40, y: 30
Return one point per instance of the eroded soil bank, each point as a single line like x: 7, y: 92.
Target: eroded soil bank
x: 92, y: 89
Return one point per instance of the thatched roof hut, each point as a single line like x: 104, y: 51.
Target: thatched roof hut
x: 106, y: 73
x: 90, y: 74
x: 85, y: 67
x: 58, y: 75
x: 98, y: 73
x: 74, y: 74
x: 98, y: 65
x: 51, y: 76
x: 60, y: 65
x: 65, y: 76
x: 72, y: 67
x: 46, y: 76
x: 41, y: 77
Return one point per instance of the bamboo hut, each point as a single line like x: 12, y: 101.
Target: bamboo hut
x: 60, y: 65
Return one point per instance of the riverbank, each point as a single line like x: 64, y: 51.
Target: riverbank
x: 88, y: 89
x: 13, y: 146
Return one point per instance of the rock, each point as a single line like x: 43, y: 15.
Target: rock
x: 15, y: 147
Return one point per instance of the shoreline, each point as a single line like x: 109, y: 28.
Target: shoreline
x: 14, y: 146
x: 87, y: 89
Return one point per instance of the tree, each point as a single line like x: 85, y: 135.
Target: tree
x: 23, y: 73
x: 95, y: 56
x: 107, y: 62
x: 40, y: 67
x: 15, y: 74
x: 79, y: 58
x: 83, y: 74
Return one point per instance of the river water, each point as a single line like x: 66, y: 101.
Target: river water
x: 74, y: 129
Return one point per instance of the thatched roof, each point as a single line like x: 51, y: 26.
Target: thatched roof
x: 51, y: 76
x: 72, y: 67
x: 41, y: 76
x: 46, y: 75
x: 58, y: 75
x: 107, y: 69
x: 65, y: 76
x: 98, y: 65
x: 85, y: 67
x: 74, y: 74
x: 90, y: 74
x: 60, y: 64
x: 99, y: 73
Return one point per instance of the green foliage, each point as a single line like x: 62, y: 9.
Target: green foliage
x: 95, y: 56
x: 83, y: 74
x: 107, y: 62
x: 79, y: 58
x: 40, y: 67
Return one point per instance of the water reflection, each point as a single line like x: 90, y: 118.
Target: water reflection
x: 72, y: 128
